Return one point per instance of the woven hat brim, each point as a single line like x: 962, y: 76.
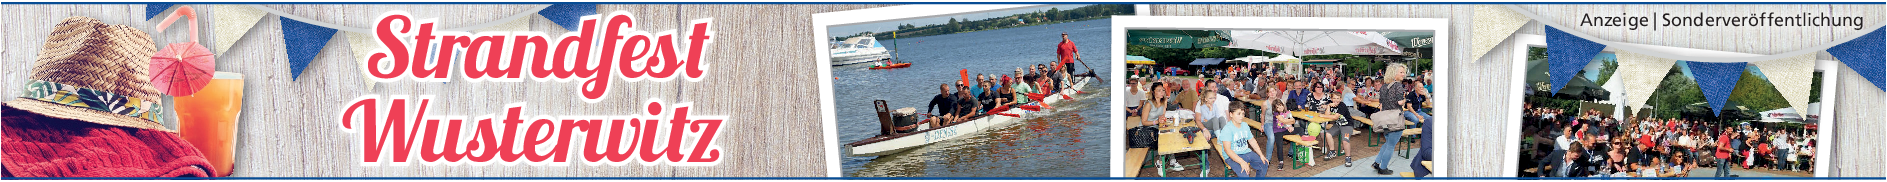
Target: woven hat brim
x: 83, y: 114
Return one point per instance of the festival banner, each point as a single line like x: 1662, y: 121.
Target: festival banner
x: 988, y: 90
x: 1774, y: 111
x: 287, y: 91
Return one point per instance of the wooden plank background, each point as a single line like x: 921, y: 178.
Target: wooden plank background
x: 773, y: 131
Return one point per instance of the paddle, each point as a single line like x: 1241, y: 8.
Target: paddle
x: 1038, y: 97
x: 1004, y: 108
x: 963, y: 76
x: 1030, y: 107
x: 1084, y: 63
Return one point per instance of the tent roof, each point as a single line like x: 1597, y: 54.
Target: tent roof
x: 1207, y: 61
x: 1137, y: 58
x: 1283, y: 58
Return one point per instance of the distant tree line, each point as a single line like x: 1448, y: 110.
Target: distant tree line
x: 1050, y: 16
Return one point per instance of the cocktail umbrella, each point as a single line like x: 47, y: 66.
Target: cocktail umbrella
x: 180, y: 69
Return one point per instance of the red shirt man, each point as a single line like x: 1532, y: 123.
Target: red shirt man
x: 1723, y: 145
x: 1067, y: 52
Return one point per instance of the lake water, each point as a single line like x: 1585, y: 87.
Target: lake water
x: 1070, y: 141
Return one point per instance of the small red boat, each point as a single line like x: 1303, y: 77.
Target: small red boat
x: 892, y: 66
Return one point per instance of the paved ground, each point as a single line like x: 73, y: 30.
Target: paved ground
x: 1362, y: 152
x: 1362, y: 169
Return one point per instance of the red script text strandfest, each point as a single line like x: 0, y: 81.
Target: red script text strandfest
x: 655, y: 136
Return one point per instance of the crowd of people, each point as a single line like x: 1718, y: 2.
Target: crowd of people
x: 1591, y: 144
x: 1221, y: 98
x: 988, y: 94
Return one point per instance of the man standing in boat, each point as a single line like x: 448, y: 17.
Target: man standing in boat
x: 1068, y: 54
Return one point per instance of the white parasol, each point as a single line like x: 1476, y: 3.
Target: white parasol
x: 1302, y: 43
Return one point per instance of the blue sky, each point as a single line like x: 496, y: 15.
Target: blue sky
x: 893, y: 24
x: 1686, y: 69
x: 1592, y: 69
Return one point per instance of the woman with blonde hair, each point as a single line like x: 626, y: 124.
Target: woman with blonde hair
x: 1392, y: 95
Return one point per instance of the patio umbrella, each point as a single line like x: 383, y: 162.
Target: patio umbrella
x: 1133, y: 60
x: 1414, y: 44
x: 1177, y: 39
x: 1580, y: 87
x: 1412, y: 39
x: 180, y: 69
x: 1207, y: 61
x: 1303, y: 43
x: 1250, y: 59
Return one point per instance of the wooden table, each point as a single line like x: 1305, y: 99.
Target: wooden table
x: 1428, y: 104
x: 1173, y: 142
x: 1298, y: 140
x: 1255, y: 107
x: 1314, y: 117
x: 1252, y: 101
x: 1254, y: 124
x: 1369, y: 102
x: 1364, y: 119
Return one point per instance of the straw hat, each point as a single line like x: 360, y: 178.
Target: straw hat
x: 94, y: 72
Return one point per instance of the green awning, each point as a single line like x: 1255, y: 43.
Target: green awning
x: 1412, y: 39
x: 1177, y: 39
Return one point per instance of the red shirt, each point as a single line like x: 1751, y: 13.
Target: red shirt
x: 1646, y: 140
x: 1067, y: 51
x: 1723, y: 146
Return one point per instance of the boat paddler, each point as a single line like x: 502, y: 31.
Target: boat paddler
x: 1022, y: 88
x: 943, y: 100
x: 966, y: 103
x: 1068, y: 54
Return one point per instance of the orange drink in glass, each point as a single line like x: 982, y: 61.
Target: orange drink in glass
x: 208, y: 119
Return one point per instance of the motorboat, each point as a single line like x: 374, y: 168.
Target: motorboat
x: 856, y: 50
